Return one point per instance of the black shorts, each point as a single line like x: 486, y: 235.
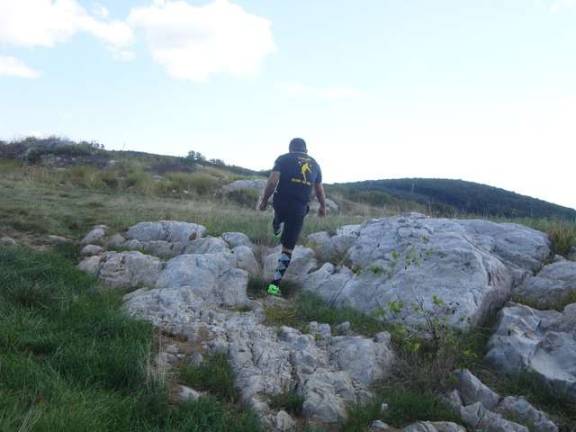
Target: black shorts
x: 292, y: 216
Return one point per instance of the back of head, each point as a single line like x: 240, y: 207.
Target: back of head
x: 298, y: 145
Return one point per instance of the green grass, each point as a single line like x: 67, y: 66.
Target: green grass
x: 31, y: 205
x: 308, y: 307
x: 70, y: 360
x: 525, y: 384
x: 213, y: 375
x: 405, y: 406
x: 290, y: 402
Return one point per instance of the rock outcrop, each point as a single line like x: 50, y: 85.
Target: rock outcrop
x: 405, y: 269
x: 124, y: 269
x: 482, y: 408
x: 328, y: 372
x: 552, y: 286
x: 256, y: 185
x: 96, y: 236
x: 459, y: 270
x: 7, y: 241
x: 542, y: 343
x: 200, y: 294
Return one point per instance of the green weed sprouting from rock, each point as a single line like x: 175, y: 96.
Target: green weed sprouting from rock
x: 213, y: 375
x: 406, y: 405
x: 290, y: 401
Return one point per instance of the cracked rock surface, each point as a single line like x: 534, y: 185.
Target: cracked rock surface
x: 483, y: 409
x: 202, y: 297
x: 460, y: 270
x: 540, y: 342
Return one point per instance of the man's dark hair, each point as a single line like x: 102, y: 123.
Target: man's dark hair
x: 298, y: 145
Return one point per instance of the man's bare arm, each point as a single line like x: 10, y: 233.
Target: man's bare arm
x: 269, y: 190
x: 321, y: 195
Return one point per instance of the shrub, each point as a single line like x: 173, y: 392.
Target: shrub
x: 195, y: 184
x: 34, y: 148
x: 245, y: 197
x: 85, y: 176
x: 563, y: 237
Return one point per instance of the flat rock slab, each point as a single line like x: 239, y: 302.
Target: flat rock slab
x: 123, y: 269
x: 169, y: 231
x: 211, y: 277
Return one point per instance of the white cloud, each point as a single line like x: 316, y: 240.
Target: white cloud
x: 195, y: 42
x: 559, y: 5
x: 45, y: 23
x: 100, y: 10
x: 331, y: 93
x: 11, y: 66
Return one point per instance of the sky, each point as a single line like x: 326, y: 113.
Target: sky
x: 479, y: 90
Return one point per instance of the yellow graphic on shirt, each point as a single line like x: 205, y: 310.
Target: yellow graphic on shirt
x: 305, y: 169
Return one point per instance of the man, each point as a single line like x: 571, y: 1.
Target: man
x: 293, y: 177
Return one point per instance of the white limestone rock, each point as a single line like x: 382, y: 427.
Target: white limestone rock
x: 128, y: 269
x: 458, y: 270
x: 90, y: 250
x: 170, y: 231
x: 96, y: 236
x: 551, y: 286
x: 540, y: 342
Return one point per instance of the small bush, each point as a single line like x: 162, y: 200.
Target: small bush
x: 195, y: 184
x: 244, y: 197
x: 563, y: 237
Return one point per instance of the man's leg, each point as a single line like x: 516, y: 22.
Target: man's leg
x: 292, y: 228
x: 277, y: 224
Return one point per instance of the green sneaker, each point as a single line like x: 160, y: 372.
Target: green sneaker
x: 274, y: 290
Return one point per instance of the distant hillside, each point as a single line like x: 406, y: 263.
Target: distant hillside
x: 179, y: 176
x: 62, y: 153
x: 454, y: 197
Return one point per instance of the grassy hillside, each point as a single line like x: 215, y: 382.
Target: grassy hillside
x: 54, y: 186
x: 61, y: 188
x: 457, y: 197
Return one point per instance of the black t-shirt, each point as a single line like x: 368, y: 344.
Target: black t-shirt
x: 298, y: 173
